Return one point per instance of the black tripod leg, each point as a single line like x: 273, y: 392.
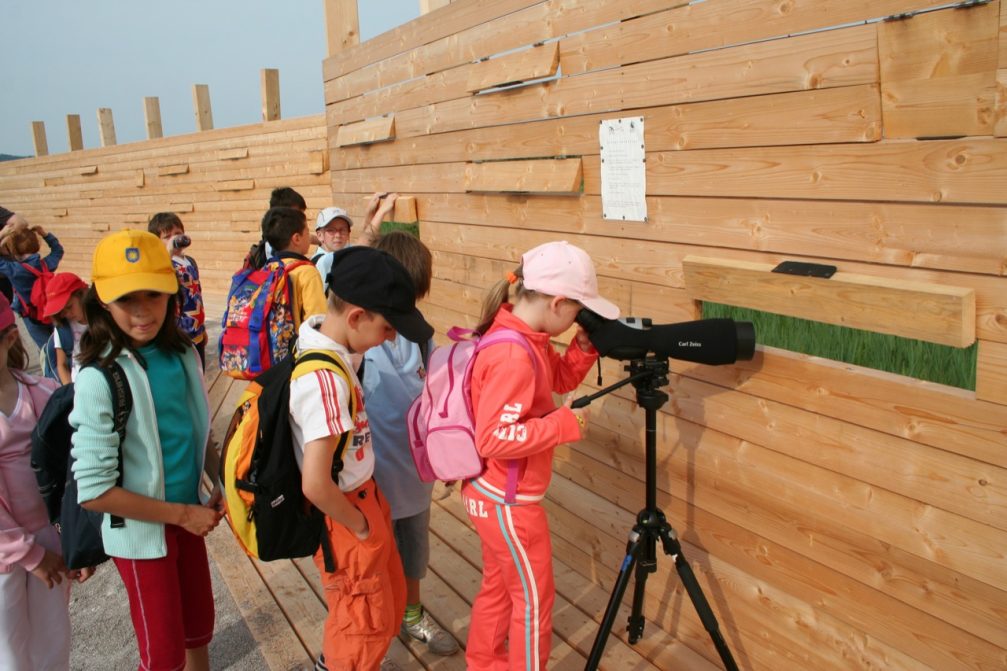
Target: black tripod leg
x: 672, y: 547
x: 614, y: 601
x: 645, y: 565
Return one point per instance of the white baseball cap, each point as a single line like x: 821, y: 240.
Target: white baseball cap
x: 326, y: 216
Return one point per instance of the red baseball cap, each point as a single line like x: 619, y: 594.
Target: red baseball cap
x: 58, y: 291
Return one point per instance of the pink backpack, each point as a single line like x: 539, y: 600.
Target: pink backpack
x: 441, y: 422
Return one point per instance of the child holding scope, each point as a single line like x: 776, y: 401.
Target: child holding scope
x: 517, y: 429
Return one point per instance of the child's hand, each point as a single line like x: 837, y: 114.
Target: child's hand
x: 80, y: 575
x: 216, y: 500
x: 582, y: 414
x: 583, y: 341
x: 50, y: 570
x: 199, y: 520
x: 388, y: 203
x: 39, y: 230
x: 372, y: 204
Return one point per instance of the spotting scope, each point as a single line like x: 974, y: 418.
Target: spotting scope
x: 709, y: 341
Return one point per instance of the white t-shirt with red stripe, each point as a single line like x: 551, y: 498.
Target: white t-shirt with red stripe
x: 320, y: 407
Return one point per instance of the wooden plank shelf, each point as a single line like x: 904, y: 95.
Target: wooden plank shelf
x: 535, y: 63
x: 530, y: 176
x: 366, y: 132
x: 932, y: 312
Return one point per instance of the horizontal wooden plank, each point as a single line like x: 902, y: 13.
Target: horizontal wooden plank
x: 176, y: 144
x: 938, y: 74
x: 518, y: 29
x: 718, y: 25
x: 845, y: 57
x: 176, y: 169
x: 424, y: 30
x: 536, y: 176
x: 235, y: 185
x: 932, y: 312
x: 366, y: 132
x: 949, y: 171
x: 780, y: 557
x: 232, y: 154
x: 535, y: 63
x: 846, y: 114
x: 991, y: 372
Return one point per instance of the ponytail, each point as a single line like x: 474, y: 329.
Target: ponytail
x: 498, y: 295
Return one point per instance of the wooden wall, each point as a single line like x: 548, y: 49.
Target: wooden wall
x: 218, y: 181
x: 837, y: 518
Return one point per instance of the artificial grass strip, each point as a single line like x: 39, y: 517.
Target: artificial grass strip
x: 953, y: 366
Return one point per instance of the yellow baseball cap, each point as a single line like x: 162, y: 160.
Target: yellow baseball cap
x: 129, y: 261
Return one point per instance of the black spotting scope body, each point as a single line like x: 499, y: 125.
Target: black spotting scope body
x: 709, y: 341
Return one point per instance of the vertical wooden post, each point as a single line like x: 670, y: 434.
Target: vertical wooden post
x: 201, y: 106
x: 38, y: 138
x: 342, y: 25
x: 269, y: 83
x: 152, y: 117
x: 427, y: 6
x: 74, y: 138
x: 106, y: 126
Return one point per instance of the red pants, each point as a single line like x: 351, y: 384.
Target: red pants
x: 366, y: 595
x: 512, y: 615
x: 170, y: 600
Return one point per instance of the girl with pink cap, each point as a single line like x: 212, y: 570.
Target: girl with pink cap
x: 517, y: 429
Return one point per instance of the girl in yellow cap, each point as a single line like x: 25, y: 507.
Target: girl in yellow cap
x: 158, y: 548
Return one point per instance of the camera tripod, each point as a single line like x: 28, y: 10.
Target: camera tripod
x: 647, y: 376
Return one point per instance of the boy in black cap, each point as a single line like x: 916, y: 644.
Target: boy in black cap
x: 371, y: 298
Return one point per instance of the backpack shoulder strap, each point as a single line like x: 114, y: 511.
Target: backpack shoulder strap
x: 501, y: 336
x: 122, y: 405
x: 312, y: 360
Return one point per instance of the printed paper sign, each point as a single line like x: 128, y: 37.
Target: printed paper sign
x: 623, y: 169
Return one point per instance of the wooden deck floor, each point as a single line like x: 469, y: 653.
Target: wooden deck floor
x: 282, y: 605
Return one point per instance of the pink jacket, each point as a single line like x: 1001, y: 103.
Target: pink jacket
x: 25, y: 532
x: 515, y: 415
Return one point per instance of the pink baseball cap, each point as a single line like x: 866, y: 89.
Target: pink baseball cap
x: 560, y: 269
x: 6, y: 314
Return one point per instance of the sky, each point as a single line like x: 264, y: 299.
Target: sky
x: 71, y: 57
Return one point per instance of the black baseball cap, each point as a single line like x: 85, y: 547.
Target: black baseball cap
x: 374, y: 280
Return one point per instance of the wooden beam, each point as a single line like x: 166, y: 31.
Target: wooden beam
x: 366, y: 132
x: 38, y: 138
x: 933, y: 312
x: 938, y: 73
x: 74, y: 137
x: 427, y: 6
x: 535, y: 176
x: 106, y: 127
x: 201, y: 107
x: 269, y: 84
x: 152, y: 117
x: 342, y: 25
x: 235, y: 185
x: 175, y: 169
x: 991, y: 372
x: 535, y: 63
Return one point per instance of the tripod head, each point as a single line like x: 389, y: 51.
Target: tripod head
x: 647, y: 375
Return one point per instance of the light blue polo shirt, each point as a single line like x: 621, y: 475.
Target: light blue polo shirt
x: 393, y: 377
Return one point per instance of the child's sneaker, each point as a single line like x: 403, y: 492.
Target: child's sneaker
x: 427, y: 630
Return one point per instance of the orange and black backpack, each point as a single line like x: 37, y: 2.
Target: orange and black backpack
x: 268, y: 511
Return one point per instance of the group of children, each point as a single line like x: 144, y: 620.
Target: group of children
x: 358, y: 302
